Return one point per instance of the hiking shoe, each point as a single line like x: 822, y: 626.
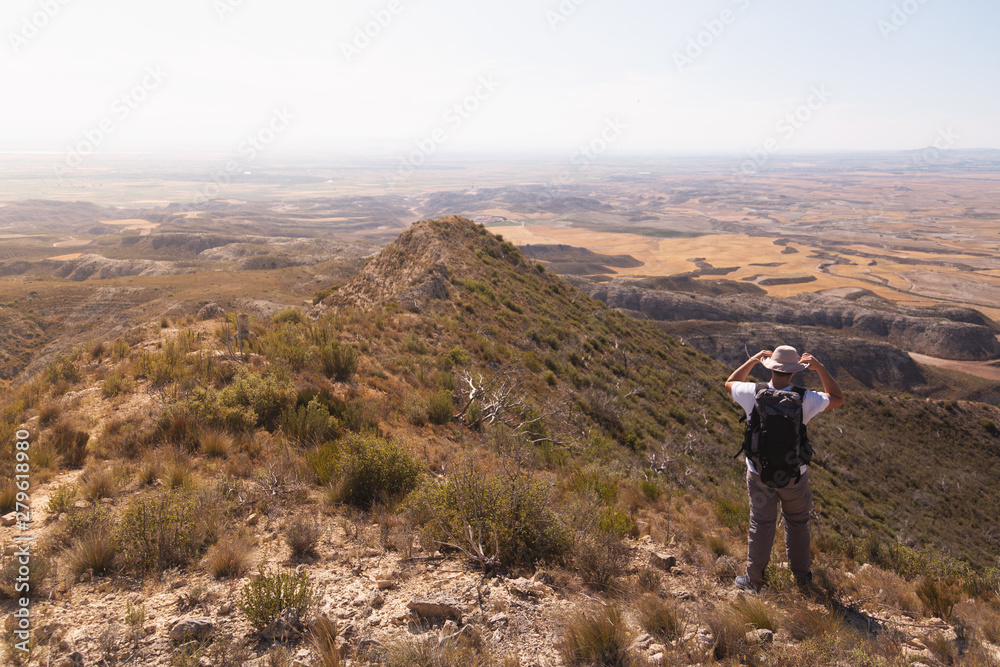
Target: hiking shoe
x: 744, y: 583
x: 806, y: 586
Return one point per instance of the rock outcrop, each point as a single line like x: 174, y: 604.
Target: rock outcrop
x: 948, y: 333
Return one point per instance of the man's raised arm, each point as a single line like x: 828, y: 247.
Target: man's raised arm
x: 741, y: 373
x: 830, y: 386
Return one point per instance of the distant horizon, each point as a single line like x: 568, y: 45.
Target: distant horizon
x: 506, y: 154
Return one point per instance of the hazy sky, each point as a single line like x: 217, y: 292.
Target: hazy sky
x: 528, y: 75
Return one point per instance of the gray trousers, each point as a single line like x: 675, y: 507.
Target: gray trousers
x: 796, y: 504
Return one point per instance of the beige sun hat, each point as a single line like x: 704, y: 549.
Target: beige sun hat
x: 784, y: 359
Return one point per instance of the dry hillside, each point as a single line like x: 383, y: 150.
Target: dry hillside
x: 456, y: 458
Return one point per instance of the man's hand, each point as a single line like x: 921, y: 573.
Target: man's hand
x: 741, y: 373
x: 811, y: 362
x: 830, y: 385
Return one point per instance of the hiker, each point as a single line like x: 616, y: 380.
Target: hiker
x: 777, y: 453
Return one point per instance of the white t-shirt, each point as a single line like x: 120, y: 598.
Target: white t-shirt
x: 813, y: 403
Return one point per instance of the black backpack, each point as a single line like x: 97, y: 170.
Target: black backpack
x: 775, y: 438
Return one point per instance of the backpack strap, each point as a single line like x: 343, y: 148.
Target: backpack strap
x: 805, y: 448
x: 751, y: 423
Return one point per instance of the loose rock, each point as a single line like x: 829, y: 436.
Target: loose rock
x: 436, y: 606
x: 761, y: 636
x: 74, y: 659
x: 662, y: 560
x: 284, y: 626
x: 191, y: 628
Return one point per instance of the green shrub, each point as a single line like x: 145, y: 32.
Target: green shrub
x: 371, y: 469
x: 650, y: 489
x: 415, y: 410
x: 119, y: 350
x: 62, y: 368
x: 322, y: 294
x: 733, y: 514
x: 439, y: 407
x: 61, y: 501
x: 594, y: 483
x: 511, y: 519
x: 339, y: 360
x: 889, y: 555
x: 938, y: 597
x: 286, y: 343
x: 479, y: 287
x: 265, y: 395
x: 262, y: 600
x: 414, y: 344
x: 616, y: 521
x: 310, y: 423
x: 204, y: 406
x: 157, y: 532
x: 455, y: 357
x: 82, y: 521
x: 115, y: 384
x: 290, y: 314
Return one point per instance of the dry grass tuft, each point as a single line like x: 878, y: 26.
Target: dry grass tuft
x: 215, y: 443
x: 729, y: 631
x: 660, y: 618
x: 97, y: 484
x: 47, y: 413
x: 230, y: 556
x: 598, y: 636
x: 302, y: 537
x: 803, y: 622
x: 323, y: 638
x: 92, y: 552
x: 648, y: 580
x: 601, y: 558
x: 8, y: 496
x: 755, y: 612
